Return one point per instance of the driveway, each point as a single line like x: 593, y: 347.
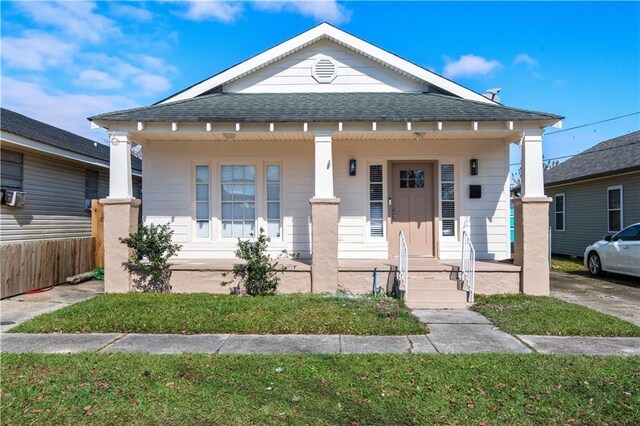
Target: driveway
x: 16, y: 310
x: 613, y: 294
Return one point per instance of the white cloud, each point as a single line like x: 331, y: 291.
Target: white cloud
x: 68, y: 111
x: 74, y: 18
x: 202, y: 10
x: 151, y: 83
x: 127, y: 11
x: 35, y: 50
x: 523, y: 58
x: 154, y: 63
x: 326, y: 10
x: 98, y: 80
x: 469, y: 66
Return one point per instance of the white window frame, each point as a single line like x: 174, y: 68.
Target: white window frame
x: 555, y: 212
x: 21, y: 165
x: 382, y: 164
x: 264, y: 218
x: 621, y: 209
x: 194, y: 203
x: 259, y: 199
x: 456, y: 199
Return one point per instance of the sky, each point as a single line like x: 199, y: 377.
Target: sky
x: 65, y: 61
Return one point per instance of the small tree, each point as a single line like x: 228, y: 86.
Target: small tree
x: 152, y: 247
x: 258, y: 276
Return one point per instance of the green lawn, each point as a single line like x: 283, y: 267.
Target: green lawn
x: 207, y: 313
x: 524, y: 314
x: 315, y: 390
x: 566, y: 264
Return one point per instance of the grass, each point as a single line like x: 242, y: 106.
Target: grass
x: 566, y: 264
x: 207, y: 313
x: 525, y: 314
x: 319, y: 390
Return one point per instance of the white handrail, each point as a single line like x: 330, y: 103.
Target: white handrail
x: 403, y: 264
x: 469, y: 264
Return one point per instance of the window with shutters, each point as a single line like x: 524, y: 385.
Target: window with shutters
x: 376, y: 200
x: 447, y: 200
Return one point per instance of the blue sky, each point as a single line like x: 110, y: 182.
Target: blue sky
x: 64, y: 61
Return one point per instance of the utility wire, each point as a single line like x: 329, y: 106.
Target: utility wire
x: 584, y: 152
x: 591, y: 124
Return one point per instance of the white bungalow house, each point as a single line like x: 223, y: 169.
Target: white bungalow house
x: 334, y: 146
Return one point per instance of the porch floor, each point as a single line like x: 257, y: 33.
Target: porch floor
x: 345, y: 265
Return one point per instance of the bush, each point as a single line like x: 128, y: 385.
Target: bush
x: 258, y: 276
x: 152, y: 247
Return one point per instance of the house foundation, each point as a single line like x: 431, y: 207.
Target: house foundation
x: 532, y: 243
x: 324, y: 245
x: 120, y: 219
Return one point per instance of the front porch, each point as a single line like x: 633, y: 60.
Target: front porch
x: 433, y: 283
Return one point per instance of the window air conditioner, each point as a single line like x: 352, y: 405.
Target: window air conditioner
x: 15, y: 198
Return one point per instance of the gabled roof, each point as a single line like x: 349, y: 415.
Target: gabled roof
x: 613, y: 156
x: 21, y: 125
x: 324, y: 107
x: 319, y: 32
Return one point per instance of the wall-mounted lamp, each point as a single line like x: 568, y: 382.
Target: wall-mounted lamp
x: 352, y: 167
x: 474, y: 166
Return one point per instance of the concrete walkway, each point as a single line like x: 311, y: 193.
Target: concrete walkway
x: 18, y: 309
x: 453, y: 331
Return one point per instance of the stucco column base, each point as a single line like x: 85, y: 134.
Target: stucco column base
x: 120, y: 219
x: 324, y: 244
x: 531, y: 216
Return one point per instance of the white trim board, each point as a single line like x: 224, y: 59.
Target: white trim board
x: 327, y: 31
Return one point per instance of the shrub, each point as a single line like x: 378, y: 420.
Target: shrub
x: 152, y: 247
x: 258, y: 276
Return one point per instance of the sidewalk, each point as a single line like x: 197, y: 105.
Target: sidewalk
x: 452, y: 331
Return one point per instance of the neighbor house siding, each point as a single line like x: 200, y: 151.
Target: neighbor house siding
x: 586, y: 211
x: 168, y: 191
x: 293, y: 74
x: 54, y: 207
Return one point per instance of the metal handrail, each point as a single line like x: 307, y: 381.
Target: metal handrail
x: 469, y: 264
x: 403, y: 264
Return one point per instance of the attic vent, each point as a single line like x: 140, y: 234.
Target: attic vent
x: 324, y: 70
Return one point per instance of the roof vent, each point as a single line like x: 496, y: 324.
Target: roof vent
x: 324, y: 70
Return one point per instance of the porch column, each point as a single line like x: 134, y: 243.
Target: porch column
x: 324, y: 220
x: 531, y: 213
x: 120, y: 216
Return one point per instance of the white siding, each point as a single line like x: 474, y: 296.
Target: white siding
x: 293, y: 74
x: 55, y: 201
x: 168, y: 191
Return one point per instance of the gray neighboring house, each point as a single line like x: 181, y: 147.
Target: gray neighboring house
x: 595, y: 193
x: 59, y: 171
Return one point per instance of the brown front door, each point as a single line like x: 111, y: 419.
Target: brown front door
x: 411, y: 209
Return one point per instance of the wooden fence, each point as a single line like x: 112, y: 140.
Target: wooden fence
x: 97, y: 231
x: 34, y: 265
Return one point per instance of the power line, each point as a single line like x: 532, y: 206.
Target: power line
x: 584, y: 152
x: 591, y: 124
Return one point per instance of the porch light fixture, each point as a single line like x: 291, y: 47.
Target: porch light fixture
x: 352, y: 167
x: 229, y: 136
x: 419, y: 135
x: 473, y: 164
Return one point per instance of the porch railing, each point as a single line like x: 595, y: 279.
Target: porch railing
x: 468, y: 265
x: 403, y: 265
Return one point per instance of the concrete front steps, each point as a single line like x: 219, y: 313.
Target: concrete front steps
x: 436, y: 294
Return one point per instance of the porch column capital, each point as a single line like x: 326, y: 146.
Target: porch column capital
x: 120, y: 167
x: 532, y: 168
x: 323, y: 165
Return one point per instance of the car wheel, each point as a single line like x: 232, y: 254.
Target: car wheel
x: 595, y: 266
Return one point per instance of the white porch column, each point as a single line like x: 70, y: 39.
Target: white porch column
x: 323, y: 166
x: 324, y: 220
x: 120, y: 211
x: 120, y: 167
x: 531, y: 213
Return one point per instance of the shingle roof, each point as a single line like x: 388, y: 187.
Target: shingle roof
x: 617, y: 155
x: 22, y: 125
x: 318, y: 107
